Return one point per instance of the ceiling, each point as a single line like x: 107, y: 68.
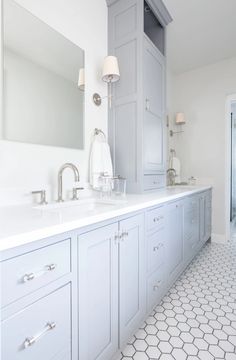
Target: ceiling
x: 202, y: 32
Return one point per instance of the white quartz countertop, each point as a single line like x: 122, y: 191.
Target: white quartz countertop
x: 20, y: 225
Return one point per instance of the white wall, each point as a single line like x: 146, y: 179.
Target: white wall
x: 25, y: 167
x: 201, y: 94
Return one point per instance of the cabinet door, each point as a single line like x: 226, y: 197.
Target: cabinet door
x: 98, y: 294
x: 154, y: 90
x: 208, y: 214
x: 132, y: 276
x: 205, y: 216
x: 191, y: 226
x: 175, y: 239
x: 203, y: 225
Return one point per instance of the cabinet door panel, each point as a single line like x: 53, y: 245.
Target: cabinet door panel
x: 154, y: 89
x: 205, y: 216
x: 153, y: 79
x: 132, y: 276
x: 202, y: 217
x: 98, y: 294
x: 49, y: 316
x: 155, y: 287
x: 153, y: 142
x: 208, y: 215
x: 191, y: 226
x: 175, y: 239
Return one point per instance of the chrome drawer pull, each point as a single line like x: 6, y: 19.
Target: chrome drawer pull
x: 156, y: 219
x: 156, y: 248
x: 51, y: 267
x: 116, y: 239
x: 32, y: 276
x: 28, y: 277
x: 120, y: 237
x: 147, y: 105
x: 125, y: 234
x: 157, y: 286
x: 32, y: 340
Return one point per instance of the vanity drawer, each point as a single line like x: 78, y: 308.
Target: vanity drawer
x: 42, y: 331
x: 155, y: 288
x: 26, y: 273
x: 156, y: 250
x: 152, y: 182
x: 155, y: 218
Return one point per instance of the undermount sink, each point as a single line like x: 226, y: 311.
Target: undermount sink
x: 181, y: 187
x: 80, y: 207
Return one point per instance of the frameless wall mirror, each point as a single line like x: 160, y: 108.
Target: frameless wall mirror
x: 42, y: 100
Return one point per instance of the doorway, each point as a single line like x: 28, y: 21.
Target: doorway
x: 233, y: 163
x: 231, y: 167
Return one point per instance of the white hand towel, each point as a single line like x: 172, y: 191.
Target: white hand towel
x: 177, y: 166
x: 100, y: 161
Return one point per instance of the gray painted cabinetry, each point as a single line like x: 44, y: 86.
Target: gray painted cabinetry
x: 81, y: 295
x: 137, y: 117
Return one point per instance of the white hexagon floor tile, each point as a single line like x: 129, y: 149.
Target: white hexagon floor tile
x: 197, y: 318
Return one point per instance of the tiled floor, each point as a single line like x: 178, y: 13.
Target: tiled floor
x: 197, y: 318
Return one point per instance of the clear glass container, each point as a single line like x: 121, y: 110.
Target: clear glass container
x: 119, y: 187
x: 105, y: 185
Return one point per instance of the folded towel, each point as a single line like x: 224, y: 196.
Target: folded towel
x: 100, y: 161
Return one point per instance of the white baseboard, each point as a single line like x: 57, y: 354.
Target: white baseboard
x: 219, y: 238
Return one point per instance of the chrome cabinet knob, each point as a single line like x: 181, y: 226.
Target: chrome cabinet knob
x: 157, y: 286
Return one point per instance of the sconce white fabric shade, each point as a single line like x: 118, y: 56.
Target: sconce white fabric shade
x: 81, y: 82
x: 180, y: 119
x: 111, y: 72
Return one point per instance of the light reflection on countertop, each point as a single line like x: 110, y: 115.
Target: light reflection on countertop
x: 20, y: 225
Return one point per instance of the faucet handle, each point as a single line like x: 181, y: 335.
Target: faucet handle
x: 76, y: 193
x: 42, y: 194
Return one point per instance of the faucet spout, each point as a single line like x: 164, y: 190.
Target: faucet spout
x: 60, y: 173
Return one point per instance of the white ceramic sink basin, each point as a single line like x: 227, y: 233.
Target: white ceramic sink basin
x: 80, y: 207
x: 181, y: 187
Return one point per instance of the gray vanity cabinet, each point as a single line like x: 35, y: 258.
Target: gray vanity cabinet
x: 136, y: 120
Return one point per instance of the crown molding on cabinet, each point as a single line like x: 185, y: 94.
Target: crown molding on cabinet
x: 111, y: 2
x: 161, y: 12
x: 157, y: 6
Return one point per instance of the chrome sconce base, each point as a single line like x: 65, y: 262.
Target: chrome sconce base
x: 97, y: 99
x: 172, y: 133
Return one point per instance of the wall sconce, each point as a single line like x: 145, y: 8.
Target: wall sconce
x: 81, y: 81
x: 179, y: 120
x: 110, y: 74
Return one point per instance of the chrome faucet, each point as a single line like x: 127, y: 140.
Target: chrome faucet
x: 60, y: 173
x: 171, y: 173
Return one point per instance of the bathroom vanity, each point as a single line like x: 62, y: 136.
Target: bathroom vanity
x: 78, y: 279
